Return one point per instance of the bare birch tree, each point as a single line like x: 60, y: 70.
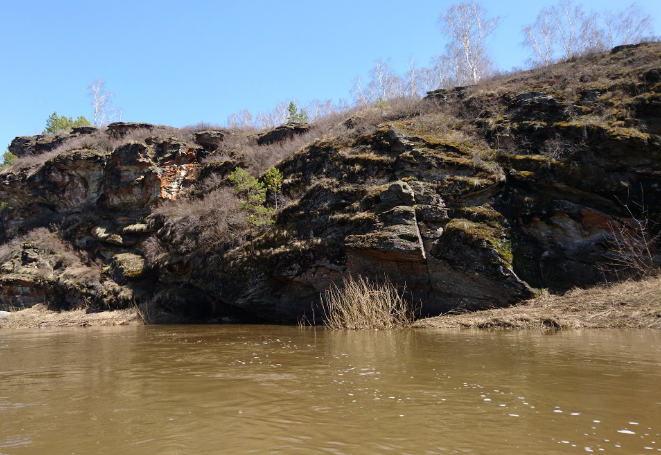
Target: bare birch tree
x: 437, y: 75
x: 628, y: 26
x: 359, y: 92
x: 104, y: 113
x: 276, y: 117
x: 468, y: 27
x: 575, y: 31
x: 383, y: 84
x: 567, y: 18
x: 317, y: 109
x: 539, y: 38
x: 413, y: 81
x: 242, y: 119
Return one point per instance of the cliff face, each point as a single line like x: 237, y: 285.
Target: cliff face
x: 472, y: 198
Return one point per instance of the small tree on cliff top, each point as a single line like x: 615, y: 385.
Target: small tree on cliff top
x: 104, y: 113
x: 57, y: 123
x: 296, y: 116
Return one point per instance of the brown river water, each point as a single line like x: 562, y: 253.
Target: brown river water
x: 282, y: 390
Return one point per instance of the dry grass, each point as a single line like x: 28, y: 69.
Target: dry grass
x: 102, y: 141
x: 361, y: 304
x: 627, y: 305
x: 39, y: 316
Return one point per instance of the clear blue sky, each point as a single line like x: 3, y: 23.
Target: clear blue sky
x: 178, y: 63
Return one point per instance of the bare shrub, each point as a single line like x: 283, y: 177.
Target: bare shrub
x: 260, y: 158
x: 101, y: 141
x: 31, y: 161
x: 82, y: 273
x: 51, y: 244
x: 633, y: 246
x: 363, y: 304
x: 8, y: 249
x: 209, y: 222
x: 187, y: 132
x: 242, y: 145
x: 152, y: 249
x: 56, y: 257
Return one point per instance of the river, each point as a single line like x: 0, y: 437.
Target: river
x: 281, y: 390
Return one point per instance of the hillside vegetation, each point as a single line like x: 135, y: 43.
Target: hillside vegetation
x: 471, y: 198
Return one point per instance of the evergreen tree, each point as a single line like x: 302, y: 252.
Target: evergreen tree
x: 56, y: 123
x: 273, y: 182
x: 8, y: 159
x: 296, y: 116
x: 252, y: 194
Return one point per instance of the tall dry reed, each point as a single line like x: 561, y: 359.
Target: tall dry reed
x: 362, y: 304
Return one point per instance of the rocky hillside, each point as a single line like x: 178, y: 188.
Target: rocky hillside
x: 472, y: 198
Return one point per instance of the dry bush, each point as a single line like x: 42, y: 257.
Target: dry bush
x: 559, y: 148
x: 98, y: 140
x: 362, y: 304
x: 394, y: 109
x: 260, y: 158
x: 200, y: 126
x: 152, y: 249
x: 211, y: 222
x: 157, y: 132
x: 633, y: 246
x: 7, y: 249
x: 101, y: 141
x: 444, y: 125
x: 49, y: 243
x: 242, y: 145
x: 56, y: 257
x: 31, y: 161
x: 88, y: 275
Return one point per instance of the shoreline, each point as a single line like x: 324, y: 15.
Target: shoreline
x: 40, y: 317
x: 626, y: 305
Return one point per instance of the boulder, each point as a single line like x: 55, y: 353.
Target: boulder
x: 127, y: 267
x: 282, y: 133
x: 209, y: 139
x: 120, y: 129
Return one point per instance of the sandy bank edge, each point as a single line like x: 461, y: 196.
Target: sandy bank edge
x: 627, y: 305
x: 39, y: 316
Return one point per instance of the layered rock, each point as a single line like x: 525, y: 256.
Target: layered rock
x: 34, y: 145
x: 479, y: 200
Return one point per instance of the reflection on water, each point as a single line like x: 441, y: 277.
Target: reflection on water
x: 259, y: 389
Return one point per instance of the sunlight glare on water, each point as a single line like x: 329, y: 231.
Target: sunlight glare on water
x: 274, y: 389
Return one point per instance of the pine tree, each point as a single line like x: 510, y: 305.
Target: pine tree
x: 296, y: 116
x: 56, y: 123
x: 252, y: 194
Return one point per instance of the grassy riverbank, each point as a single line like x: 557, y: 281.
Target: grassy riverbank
x: 628, y: 305
x: 39, y: 316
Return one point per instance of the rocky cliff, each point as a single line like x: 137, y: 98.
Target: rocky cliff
x: 472, y: 198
